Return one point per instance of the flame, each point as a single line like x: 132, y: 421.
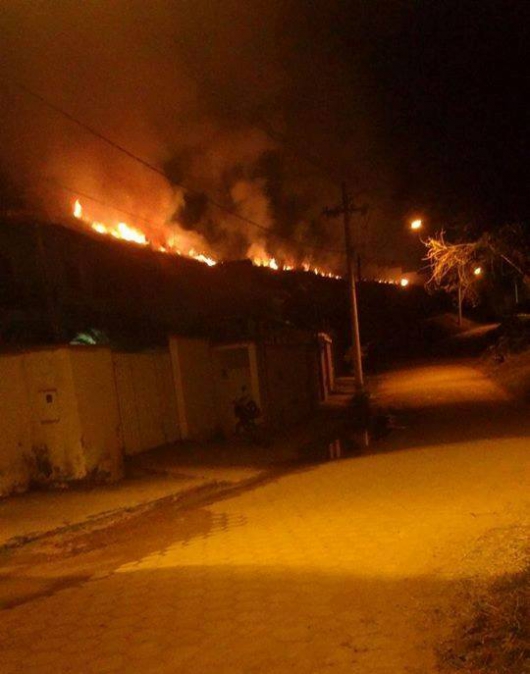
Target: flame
x: 200, y: 257
x: 125, y: 232
x: 272, y: 263
x: 99, y: 227
x: 173, y: 246
x: 260, y: 259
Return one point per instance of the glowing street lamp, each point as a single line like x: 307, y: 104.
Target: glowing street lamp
x: 404, y: 282
x: 477, y: 271
x: 416, y: 224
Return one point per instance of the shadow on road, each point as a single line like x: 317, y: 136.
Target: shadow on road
x: 233, y: 618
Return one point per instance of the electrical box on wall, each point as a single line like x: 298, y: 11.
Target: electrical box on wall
x: 48, y: 406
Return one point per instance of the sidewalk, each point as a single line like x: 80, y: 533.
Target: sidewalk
x: 176, y: 472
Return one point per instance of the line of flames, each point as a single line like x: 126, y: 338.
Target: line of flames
x: 125, y: 232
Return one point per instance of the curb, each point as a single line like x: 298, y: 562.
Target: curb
x: 205, y: 493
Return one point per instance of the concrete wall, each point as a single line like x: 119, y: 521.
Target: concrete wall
x: 289, y: 381
x: 235, y: 367
x: 59, y: 419
x: 15, y: 431
x: 146, y: 399
x: 281, y: 378
x: 69, y: 413
x: 97, y: 407
x: 56, y: 435
x: 193, y: 375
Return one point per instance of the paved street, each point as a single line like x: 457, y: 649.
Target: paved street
x: 348, y: 566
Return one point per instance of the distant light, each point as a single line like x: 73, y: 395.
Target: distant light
x: 404, y: 282
x: 477, y: 271
x: 416, y: 224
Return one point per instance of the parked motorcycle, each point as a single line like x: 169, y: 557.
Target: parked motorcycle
x: 247, y: 414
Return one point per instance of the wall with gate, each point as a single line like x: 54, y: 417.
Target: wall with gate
x: 146, y: 400
x: 194, y: 382
x: 236, y: 373
x: 289, y: 381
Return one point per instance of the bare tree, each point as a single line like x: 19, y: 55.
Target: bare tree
x: 511, y: 244
x: 456, y: 268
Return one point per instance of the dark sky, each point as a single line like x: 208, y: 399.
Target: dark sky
x: 420, y: 104
x: 453, y: 91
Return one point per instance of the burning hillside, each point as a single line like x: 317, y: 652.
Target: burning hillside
x: 179, y: 116
x: 174, y: 245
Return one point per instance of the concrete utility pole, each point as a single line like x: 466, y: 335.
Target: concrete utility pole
x: 346, y: 209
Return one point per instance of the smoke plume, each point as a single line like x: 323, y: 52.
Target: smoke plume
x: 201, y: 91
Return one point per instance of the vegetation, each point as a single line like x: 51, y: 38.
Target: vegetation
x: 454, y: 267
x: 495, y: 639
x: 458, y: 268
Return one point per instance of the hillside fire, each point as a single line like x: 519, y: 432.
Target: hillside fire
x: 125, y: 232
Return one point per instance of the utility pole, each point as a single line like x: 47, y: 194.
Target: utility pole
x: 346, y: 209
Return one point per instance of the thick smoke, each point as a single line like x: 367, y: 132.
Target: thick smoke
x: 195, y: 89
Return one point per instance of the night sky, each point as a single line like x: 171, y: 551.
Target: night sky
x: 266, y: 105
x: 453, y: 92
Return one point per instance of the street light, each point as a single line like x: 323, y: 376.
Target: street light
x: 477, y: 271
x: 404, y: 282
x: 416, y: 224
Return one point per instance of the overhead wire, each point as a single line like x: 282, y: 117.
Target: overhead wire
x: 264, y: 126
x: 148, y: 165
x: 153, y: 168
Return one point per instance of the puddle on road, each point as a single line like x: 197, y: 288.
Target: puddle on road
x: 351, y: 440
x: 71, y: 558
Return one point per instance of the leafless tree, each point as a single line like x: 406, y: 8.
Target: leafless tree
x: 511, y: 244
x: 456, y: 268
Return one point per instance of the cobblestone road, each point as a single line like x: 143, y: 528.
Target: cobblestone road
x: 352, y: 566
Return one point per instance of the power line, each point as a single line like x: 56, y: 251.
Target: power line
x: 264, y: 126
x: 84, y: 195
x: 267, y: 128
x: 143, y: 162
x: 271, y: 133
x: 136, y: 217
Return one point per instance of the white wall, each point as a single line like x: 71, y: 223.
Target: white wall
x: 58, y: 420
x: 289, y: 377
x: 193, y: 376
x: 15, y: 431
x: 98, y: 412
x: 55, y: 425
x: 146, y: 399
x: 235, y: 367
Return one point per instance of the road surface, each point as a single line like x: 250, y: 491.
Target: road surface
x: 350, y: 566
